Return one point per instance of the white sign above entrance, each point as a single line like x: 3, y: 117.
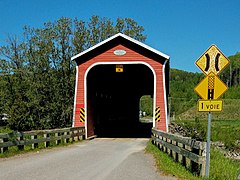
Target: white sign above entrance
x: 119, y: 52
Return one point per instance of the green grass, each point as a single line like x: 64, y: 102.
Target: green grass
x: 221, y: 168
x: 227, y: 131
x: 167, y: 165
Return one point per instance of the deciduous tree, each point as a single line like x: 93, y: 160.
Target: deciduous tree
x: 37, y: 74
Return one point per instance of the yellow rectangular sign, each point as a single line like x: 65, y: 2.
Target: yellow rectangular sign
x: 210, y: 105
x: 119, y: 68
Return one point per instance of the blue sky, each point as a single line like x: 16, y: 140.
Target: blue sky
x: 182, y: 29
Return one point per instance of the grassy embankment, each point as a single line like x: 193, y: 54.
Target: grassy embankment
x: 226, y: 131
x: 221, y: 168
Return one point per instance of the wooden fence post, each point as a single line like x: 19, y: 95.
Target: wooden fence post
x: 169, y: 150
x: 161, y: 146
x: 57, y: 141
x: 83, y: 136
x: 75, y: 136
x: 72, y: 137
x: 183, y: 157
x: 66, y: 140
x: 174, y: 154
x: 164, y: 147
x: 46, y: 143
x: 34, y: 145
x: 180, y: 156
x: 1, y: 150
x: 78, y: 135
x: 4, y: 149
x: 195, y: 167
x: 177, y: 155
x: 153, y: 140
x: 20, y: 147
x: 203, y: 165
x: 188, y: 161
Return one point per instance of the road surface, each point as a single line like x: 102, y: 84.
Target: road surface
x: 98, y: 159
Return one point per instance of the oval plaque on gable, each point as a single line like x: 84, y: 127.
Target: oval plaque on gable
x: 119, y: 52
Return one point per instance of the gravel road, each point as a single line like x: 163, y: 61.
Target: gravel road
x: 98, y: 159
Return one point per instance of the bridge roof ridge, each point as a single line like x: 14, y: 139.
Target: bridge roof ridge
x: 124, y: 37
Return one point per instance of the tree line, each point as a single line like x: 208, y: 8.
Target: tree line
x: 37, y: 75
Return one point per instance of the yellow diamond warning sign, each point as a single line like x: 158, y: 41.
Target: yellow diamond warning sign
x: 213, y: 60
x: 211, y: 87
x: 210, y: 105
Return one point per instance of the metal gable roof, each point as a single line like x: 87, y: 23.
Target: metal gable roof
x: 125, y: 37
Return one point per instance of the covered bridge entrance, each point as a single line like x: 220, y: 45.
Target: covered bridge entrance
x: 111, y: 77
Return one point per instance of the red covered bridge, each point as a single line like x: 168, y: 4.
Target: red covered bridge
x: 111, y: 77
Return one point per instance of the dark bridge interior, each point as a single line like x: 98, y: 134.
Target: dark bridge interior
x: 113, y: 99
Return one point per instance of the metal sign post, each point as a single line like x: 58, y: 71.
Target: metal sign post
x: 208, y: 144
x: 212, y: 62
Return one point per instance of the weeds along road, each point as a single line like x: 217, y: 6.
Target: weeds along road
x: 98, y: 159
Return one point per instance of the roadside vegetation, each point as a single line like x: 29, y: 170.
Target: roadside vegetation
x: 5, y: 129
x: 226, y: 131
x: 225, y: 125
x: 146, y: 105
x: 220, y: 166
